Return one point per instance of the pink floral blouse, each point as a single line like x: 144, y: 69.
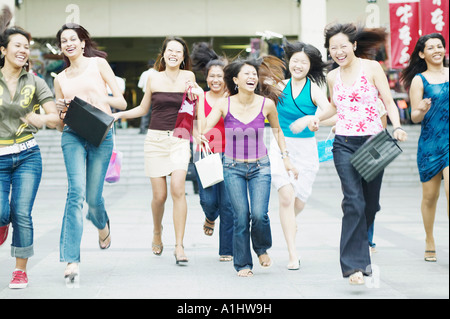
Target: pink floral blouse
x: 357, y: 111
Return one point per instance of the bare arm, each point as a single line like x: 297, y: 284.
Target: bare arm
x: 116, y: 100
x: 272, y: 115
x: 419, y: 105
x: 381, y: 83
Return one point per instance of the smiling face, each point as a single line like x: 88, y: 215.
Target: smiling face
x: 341, y: 49
x: 299, y: 65
x: 433, y: 52
x: 17, y: 51
x: 247, y: 78
x: 215, y: 79
x: 174, y: 54
x: 71, y: 46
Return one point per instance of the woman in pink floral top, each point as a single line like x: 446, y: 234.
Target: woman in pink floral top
x: 354, y: 88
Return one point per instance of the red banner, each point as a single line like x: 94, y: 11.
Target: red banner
x: 404, y: 22
x: 434, y: 18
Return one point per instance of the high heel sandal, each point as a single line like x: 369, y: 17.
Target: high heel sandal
x: 180, y: 259
x: 157, y: 249
x: 100, y: 241
x: 72, y: 273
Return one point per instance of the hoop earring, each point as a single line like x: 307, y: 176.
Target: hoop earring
x: 236, y: 87
x: 182, y: 65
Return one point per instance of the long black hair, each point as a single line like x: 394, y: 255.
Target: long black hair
x: 368, y: 40
x: 416, y: 63
x: 6, y: 33
x: 204, y: 57
x: 318, y: 66
x: 270, y: 71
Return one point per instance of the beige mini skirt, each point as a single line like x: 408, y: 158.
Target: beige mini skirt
x: 165, y: 153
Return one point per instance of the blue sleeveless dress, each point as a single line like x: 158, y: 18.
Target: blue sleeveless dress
x: 433, y: 148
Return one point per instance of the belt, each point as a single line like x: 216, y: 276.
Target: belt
x: 17, y: 148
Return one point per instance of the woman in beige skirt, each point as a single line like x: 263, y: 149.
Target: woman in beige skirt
x: 165, y: 154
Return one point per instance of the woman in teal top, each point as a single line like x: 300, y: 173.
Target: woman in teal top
x: 427, y: 76
x: 301, y: 97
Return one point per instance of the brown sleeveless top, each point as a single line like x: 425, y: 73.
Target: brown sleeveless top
x: 165, y: 107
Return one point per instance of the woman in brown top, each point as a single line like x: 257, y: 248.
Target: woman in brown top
x: 166, y: 155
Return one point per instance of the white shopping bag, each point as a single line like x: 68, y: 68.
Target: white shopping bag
x: 209, y: 168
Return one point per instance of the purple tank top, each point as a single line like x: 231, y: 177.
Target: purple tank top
x: 245, y: 141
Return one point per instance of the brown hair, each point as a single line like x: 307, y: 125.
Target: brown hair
x: 160, y: 64
x: 90, y: 48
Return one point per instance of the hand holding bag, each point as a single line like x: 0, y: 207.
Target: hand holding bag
x: 115, y: 165
x: 375, y: 155
x: 325, y: 148
x: 88, y: 121
x: 209, y: 168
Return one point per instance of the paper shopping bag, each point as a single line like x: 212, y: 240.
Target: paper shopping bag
x: 209, y: 168
x: 325, y: 148
x: 185, y: 117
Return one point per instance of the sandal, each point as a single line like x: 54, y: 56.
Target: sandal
x: 208, y: 227
x: 294, y: 266
x: 102, y: 241
x: 71, y: 273
x: 157, y: 249
x: 265, y: 263
x: 180, y: 259
x: 356, y: 278
x: 226, y: 258
x: 245, y: 273
x: 430, y: 255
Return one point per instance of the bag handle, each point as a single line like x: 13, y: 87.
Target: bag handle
x: 205, y: 150
x: 329, y: 134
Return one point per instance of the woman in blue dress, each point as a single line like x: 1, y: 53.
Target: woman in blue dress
x: 428, y: 79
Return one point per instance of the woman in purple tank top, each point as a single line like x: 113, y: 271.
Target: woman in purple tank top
x: 246, y: 164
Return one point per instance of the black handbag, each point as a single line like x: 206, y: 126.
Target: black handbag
x: 88, y: 121
x: 375, y: 155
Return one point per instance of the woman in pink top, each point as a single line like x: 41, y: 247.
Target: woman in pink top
x: 86, y: 77
x: 354, y: 87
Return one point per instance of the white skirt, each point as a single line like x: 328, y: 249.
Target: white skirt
x: 304, y: 156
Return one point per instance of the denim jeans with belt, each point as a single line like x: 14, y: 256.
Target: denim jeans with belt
x: 20, y: 176
x: 251, y: 219
x: 86, y: 167
x: 215, y: 202
x: 360, y: 204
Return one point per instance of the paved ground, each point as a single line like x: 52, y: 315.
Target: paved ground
x: 129, y: 270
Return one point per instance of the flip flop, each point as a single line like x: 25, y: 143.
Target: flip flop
x: 208, y: 230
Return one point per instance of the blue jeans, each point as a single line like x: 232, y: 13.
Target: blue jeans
x: 86, y: 167
x: 360, y: 204
x: 216, y: 202
x: 20, y: 176
x: 251, y: 219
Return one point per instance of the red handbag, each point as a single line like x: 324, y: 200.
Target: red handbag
x: 185, y: 118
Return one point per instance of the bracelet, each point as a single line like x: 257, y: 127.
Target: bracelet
x: 397, y: 128
x: 284, y: 154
